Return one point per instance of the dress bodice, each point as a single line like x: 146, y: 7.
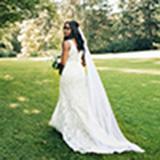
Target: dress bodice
x: 74, y: 54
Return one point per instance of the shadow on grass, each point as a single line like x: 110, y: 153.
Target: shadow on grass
x: 57, y: 148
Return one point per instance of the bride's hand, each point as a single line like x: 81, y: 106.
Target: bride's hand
x: 83, y: 63
x: 61, y: 67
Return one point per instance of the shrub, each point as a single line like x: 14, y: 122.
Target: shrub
x: 7, y: 53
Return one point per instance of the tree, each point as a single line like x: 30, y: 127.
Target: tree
x: 138, y: 25
x: 94, y: 17
x: 34, y: 24
x: 37, y: 33
x: 151, y: 20
x: 16, y: 10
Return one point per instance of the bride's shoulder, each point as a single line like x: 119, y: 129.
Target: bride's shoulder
x: 67, y: 41
x: 66, y: 44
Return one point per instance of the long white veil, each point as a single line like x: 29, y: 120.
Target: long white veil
x: 100, y: 105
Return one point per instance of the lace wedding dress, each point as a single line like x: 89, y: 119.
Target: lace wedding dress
x: 74, y: 119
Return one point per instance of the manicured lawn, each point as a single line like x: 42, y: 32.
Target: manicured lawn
x: 29, y: 92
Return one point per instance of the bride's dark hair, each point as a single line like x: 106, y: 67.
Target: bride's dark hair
x: 75, y: 34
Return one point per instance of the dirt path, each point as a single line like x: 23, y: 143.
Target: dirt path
x: 138, y: 54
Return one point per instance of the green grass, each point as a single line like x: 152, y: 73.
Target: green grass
x: 29, y: 92
x: 153, y: 63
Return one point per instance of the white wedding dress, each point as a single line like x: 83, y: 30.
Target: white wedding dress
x: 74, y: 119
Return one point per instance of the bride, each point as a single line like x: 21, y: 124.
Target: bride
x: 83, y: 113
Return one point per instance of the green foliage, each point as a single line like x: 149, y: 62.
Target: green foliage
x: 15, y: 43
x: 10, y: 46
x: 34, y: 54
x: 15, y: 10
x: 96, y: 23
x: 125, y: 45
x: 135, y: 27
x: 37, y: 32
x: 7, y: 53
x: 139, y: 22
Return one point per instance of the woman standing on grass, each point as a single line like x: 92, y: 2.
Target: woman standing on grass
x: 83, y: 114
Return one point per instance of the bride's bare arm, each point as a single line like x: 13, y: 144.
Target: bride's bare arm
x: 64, y: 56
x: 65, y: 51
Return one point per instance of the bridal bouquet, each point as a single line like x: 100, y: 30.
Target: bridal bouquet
x: 56, y: 61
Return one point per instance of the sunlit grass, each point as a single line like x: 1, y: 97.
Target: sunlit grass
x: 28, y: 95
x: 142, y: 63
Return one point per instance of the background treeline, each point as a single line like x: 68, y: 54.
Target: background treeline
x: 34, y: 27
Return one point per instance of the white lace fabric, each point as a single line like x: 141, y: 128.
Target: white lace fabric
x: 84, y: 127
